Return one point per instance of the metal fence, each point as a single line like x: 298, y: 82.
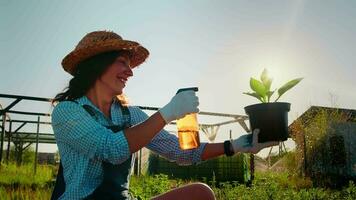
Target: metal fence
x: 12, y: 129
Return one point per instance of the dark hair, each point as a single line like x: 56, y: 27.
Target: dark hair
x: 86, y: 74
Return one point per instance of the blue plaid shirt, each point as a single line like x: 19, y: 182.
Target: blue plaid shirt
x: 83, y: 143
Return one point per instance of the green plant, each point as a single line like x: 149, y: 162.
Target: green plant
x: 319, y: 146
x: 266, y: 185
x: 262, y: 88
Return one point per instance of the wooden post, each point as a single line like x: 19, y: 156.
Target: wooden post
x: 8, y: 143
x: 38, y: 130
x: 136, y: 164
x: 19, y: 153
x: 2, y: 135
x: 252, y: 166
x: 140, y: 162
x: 305, y: 154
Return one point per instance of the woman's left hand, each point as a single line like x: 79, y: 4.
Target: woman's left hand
x: 249, y: 143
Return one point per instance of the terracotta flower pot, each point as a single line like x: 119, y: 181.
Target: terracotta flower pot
x: 271, y: 119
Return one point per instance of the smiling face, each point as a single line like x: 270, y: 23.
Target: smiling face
x: 114, y: 78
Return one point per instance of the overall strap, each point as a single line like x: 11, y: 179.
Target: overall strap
x: 126, y: 116
x: 114, y: 185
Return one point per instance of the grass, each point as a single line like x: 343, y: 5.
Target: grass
x: 25, y: 193
x: 20, y: 183
x: 281, y: 186
x: 266, y: 186
x: 17, y: 183
x: 14, y: 176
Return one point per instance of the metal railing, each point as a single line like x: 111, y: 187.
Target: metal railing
x: 23, y: 140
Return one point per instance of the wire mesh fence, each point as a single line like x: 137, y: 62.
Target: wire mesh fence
x: 219, y: 169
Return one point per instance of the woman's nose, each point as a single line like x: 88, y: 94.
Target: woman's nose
x: 129, y: 71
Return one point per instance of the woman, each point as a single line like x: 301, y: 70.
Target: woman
x: 96, y: 157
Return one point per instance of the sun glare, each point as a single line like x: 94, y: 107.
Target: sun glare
x: 277, y: 71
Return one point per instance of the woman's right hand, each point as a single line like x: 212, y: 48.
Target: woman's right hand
x: 181, y: 104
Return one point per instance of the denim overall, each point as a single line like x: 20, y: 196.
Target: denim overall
x: 116, y: 177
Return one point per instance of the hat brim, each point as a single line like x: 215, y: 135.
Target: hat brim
x: 138, y: 53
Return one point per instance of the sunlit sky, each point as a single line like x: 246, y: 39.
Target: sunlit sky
x: 215, y: 45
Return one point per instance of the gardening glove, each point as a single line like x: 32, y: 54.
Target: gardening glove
x: 249, y: 143
x: 183, y: 103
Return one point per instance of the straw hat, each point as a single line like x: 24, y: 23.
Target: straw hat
x: 99, y: 42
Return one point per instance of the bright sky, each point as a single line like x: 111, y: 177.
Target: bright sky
x: 215, y: 45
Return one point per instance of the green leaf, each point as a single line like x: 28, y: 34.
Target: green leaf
x: 254, y: 94
x: 269, y: 94
x: 258, y: 87
x: 267, y: 83
x: 266, y: 80
x: 288, y: 86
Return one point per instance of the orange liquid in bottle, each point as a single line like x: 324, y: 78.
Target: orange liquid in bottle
x: 188, y: 139
x: 188, y: 132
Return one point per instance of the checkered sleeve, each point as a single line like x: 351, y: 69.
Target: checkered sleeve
x: 74, y: 127
x: 167, y: 145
